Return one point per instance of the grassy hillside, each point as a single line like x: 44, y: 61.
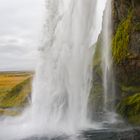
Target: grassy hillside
x: 15, y: 89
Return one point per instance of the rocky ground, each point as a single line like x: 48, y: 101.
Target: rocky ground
x: 131, y: 134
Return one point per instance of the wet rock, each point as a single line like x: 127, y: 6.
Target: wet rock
x: 128, y: 69
x: 104, y: 134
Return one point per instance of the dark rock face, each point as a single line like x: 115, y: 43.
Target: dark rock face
x: 128, y: 69
x: 121, y: 10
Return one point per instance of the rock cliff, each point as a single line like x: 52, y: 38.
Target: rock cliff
x: 126, y: 56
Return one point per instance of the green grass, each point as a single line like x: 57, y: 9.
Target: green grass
x: 15, y: 88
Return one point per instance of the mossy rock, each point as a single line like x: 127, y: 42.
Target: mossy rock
x: 129, y: 108
x: 97, y: 55
x: 97, y: 70
x: 96, y: 97
x: 121, y: 39
x: 129, y: 90
x: 137, y: 27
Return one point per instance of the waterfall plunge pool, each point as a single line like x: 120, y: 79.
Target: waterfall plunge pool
x: 103, y: 134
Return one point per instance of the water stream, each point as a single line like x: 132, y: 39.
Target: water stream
x: 107, y: 68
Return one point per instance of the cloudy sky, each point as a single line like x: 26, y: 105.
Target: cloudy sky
x: 21, y: 25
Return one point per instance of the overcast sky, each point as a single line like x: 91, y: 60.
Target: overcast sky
x: 21, y: 24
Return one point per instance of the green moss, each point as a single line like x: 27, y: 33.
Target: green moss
x: 130, y: 89
x: 137, y: 27
x: 129, y: 108
x: 96, y: 97
x: 97, y: 55
x: 135, y: 119
x: 97, y: 58
x: 121, y: 39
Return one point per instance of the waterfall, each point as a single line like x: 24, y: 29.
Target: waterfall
x: 106, y: 55
x: 107, y: 69
x: 63, y: 79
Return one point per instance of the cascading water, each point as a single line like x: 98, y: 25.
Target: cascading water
x: 107, y: 70
x: 106, y: 55
x: 63, y: 79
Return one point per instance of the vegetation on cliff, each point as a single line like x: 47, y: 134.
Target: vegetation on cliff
x: 121, y: 39
x: 129, y: 108
x: 126, y: 56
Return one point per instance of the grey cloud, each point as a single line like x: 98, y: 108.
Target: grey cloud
x: 20, y: 32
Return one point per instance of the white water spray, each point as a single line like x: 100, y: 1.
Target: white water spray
x: 106, y: 54
x: 107, y: 69
x: 62, y: 83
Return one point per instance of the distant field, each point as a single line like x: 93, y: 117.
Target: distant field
x: 15, y: 89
